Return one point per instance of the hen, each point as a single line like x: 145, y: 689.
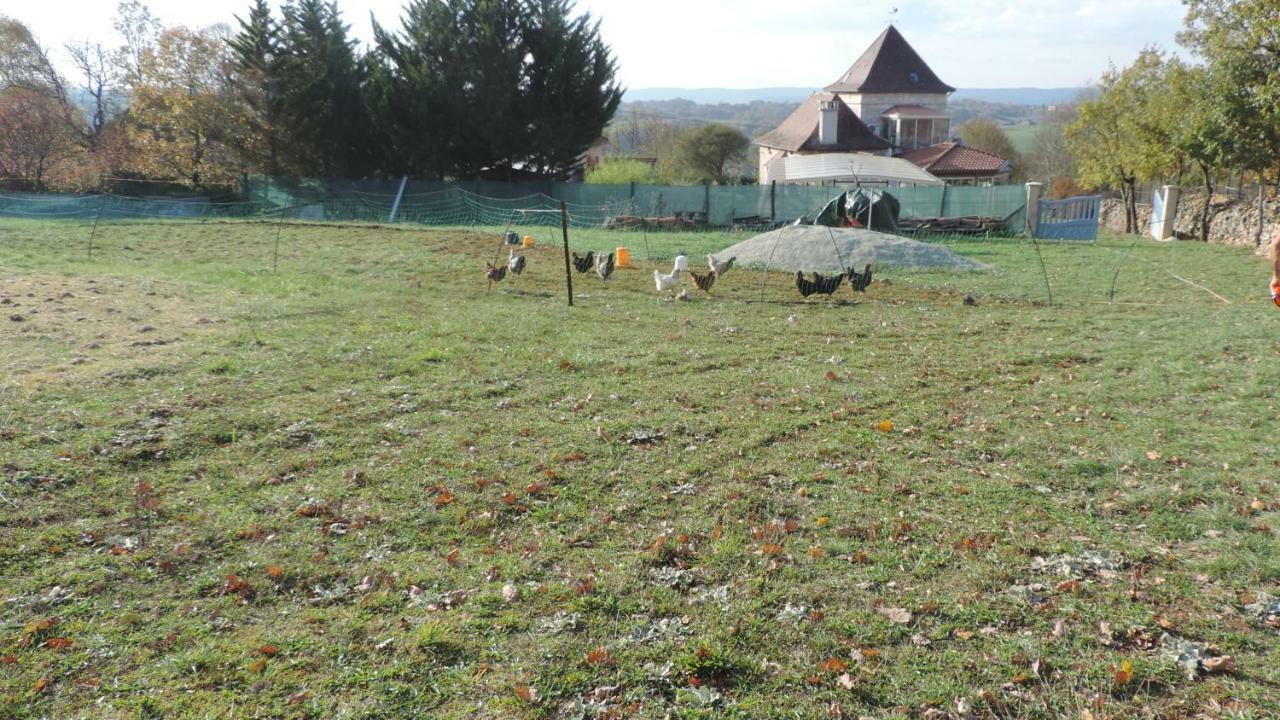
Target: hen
x: 820, y: 285
x: 515, y: 263
x: 719, y: 267
x: 494, y: 273
x: 604, y: 267
x: 583, y: 263
x: 704, y: 282
x: 666, y: 283
x: 859, y: 281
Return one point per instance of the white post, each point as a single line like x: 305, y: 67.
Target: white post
x: 395, y: 207
x: 1163, y: 225
x: 1033, y: 206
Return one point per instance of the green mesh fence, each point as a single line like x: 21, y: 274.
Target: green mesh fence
x: 996, y: 211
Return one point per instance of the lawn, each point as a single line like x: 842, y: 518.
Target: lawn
x: 367, y: 486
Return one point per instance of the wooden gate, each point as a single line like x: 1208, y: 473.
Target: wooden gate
x: 1071, y: 219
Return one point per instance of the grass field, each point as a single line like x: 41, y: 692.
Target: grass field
x: 1023, y: 136
x: 365, y: 486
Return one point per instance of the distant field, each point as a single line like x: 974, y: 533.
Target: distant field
x: 368, y: 486
x: 1023, y: 136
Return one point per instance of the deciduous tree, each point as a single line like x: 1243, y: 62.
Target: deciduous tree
x: 708, y: 151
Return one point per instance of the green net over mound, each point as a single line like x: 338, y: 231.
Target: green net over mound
x: 813, y: 248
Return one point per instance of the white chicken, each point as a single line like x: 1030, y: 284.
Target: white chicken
x: 515, y: 263
x: 719, y: 267
x: 682, y: 263
x: 666, y: 283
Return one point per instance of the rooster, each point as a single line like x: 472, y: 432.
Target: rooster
x: 859, y: 281
x: 719, y: 267
x: 494, y: 273
x: 704, y: 282
x: 604, y: 266
x: 820, y: 285
x: 584, y: 263
x: 515, y: 263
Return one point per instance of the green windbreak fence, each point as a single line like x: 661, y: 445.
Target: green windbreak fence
x: 490, y: 203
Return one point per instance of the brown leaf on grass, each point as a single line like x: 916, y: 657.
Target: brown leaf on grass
x: 529, y: 694
x: 599, y: 656
x: 770, y: 549
x: 832, y: 665
x: 717, y: 532
x: 831, y: 376
x: 884, y: 426
x: 236, y: 586
x: 1221, y: 664
x: 258, y: 666
x: 269, y: 650
x: 298, y: 698
x: 444, y: 498
x: 510, y: 498
x: 897, y: 616
x: 859, y: 558
x: 452, y: 557
x: 1124, y: 674
x: 8, y: 660
x: 40, y: 684
x: 58, y: 643
x: 275, y: 572
x: 963, y: 634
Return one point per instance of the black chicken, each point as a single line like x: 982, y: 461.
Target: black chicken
x: 859, y: 281
x: 820, y: 285
x: 584, y: 264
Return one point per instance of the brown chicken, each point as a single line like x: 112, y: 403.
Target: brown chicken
x: 703, y: 282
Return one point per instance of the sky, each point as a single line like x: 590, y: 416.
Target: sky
x: 767, y: 43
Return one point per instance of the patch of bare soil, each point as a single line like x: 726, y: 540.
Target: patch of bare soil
x: 55, y: 329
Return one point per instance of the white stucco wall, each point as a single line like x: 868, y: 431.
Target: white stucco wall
x: 869, y: 108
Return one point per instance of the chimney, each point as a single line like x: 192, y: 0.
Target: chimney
x: 827, y: 122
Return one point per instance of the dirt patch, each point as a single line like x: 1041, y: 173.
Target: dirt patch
x: 60, y: 328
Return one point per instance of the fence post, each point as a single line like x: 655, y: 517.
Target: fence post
x: 1033, y: 207
x: 1169, y: 213
x: 773, y: 201
x: 633, y: 190
x: 706, y: 201
x: 564, y: 227
x: 395, y: 206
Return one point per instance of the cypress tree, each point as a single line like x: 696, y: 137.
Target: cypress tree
x: 256, y: 50
x: 321, y: 80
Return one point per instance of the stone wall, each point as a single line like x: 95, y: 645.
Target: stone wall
x: 1235, y: 222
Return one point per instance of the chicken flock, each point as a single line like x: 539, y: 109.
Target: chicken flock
x: 603, y: 266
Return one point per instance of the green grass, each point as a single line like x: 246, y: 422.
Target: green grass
x: 1023, y: 136
x: 427, y: 497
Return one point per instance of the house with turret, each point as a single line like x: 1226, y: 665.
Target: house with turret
x: 890, y: 103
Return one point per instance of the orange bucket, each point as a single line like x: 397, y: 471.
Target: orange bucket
x: 623, y: 257
x: 528, y: 241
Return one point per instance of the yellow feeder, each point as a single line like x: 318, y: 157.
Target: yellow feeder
x: 623, y: 259
x: 528, y: 241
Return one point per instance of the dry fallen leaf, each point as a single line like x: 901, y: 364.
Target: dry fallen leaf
x: 510, y: 593
x: 529, y: 694
x: 599, y: 656
x: 885, y: 426
x: 58, y: 643
x: 258, y: 666
x: 1222, y: 664
x: 897, y: 616
x: 1124, y: 674
x: 269, y: 650
x: 845, y: 681
x: 832, y: 665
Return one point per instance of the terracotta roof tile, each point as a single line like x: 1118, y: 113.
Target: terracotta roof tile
x: 951, y: 158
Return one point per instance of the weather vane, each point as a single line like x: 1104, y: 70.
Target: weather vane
x: 893, y: 15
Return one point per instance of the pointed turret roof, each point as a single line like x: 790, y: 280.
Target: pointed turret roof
x: 890, y: 65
